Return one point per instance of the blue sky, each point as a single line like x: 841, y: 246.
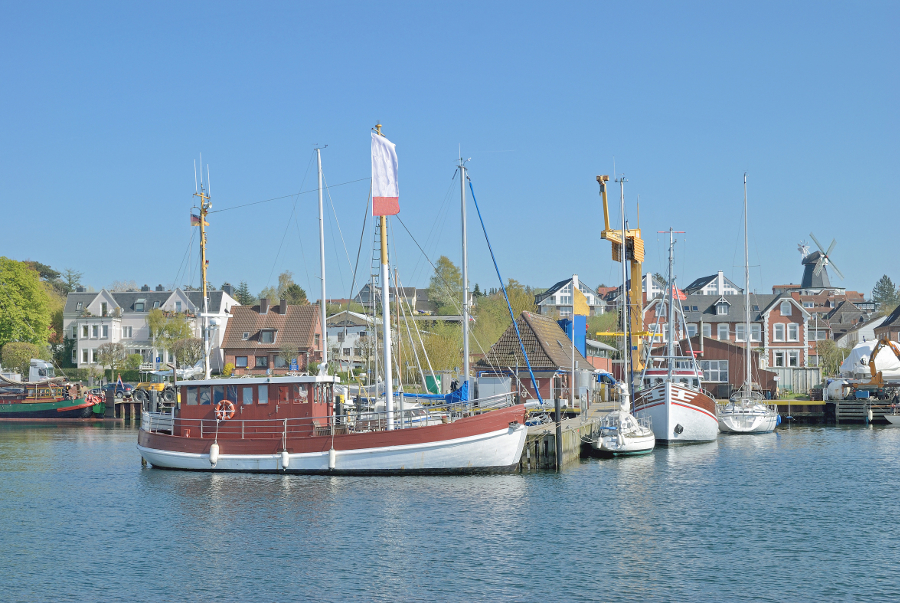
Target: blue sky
x: 107, y: 105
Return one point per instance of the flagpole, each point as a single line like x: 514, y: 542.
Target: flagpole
x: 386, y: 313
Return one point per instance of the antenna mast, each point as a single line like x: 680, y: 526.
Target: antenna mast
x: 205, y: 205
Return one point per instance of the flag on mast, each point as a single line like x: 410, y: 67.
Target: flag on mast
x: 385, y: 189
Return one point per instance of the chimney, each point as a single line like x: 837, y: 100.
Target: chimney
x: 145, y: 288
x: 227, y: 288
x: 263, y: 306
x: 160, y: 288
x: 79, y: 289
x: 282, y: 307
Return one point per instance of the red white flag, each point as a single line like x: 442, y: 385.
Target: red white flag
x: 385, y: 189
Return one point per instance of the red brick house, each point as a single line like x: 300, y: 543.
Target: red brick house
x: 890, y: 328
x: 256, y: 337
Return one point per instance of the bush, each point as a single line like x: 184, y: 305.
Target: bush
x: 228, y: 369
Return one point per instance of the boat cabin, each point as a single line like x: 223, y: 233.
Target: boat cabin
x: 685, y: 372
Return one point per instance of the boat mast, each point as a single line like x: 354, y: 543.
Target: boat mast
x: 204, y: 209
x: 670, y: 347
x: 465, y: 270
x: 322, y: 263
x: 747, y: 386
x: 386, y: 318
x: 626, y: 347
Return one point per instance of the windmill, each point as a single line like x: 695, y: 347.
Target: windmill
x: 815, y: 275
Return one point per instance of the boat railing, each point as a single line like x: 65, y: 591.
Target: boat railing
x: 356, y: 420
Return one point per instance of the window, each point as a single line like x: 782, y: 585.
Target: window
x: 139, y: 306
x: 79, y: 306
x: 740, y: 332
x: 240, y: 362
x: 95, y: 331
x: 178, y: 306
x: 245, y: 336
x: 104, y: 308
x: 127, y: 332
x: 262, y: 362
x: 755, y: 332
x: 793, y: 332
x: 722, y: 309
x: 340, y: 336
x: 316, y: 342
x: 778, y: 335
x: 785, y: 308
x: 280, y: 362
x: 707, y: 330
x: 715, y: 371
x: 218, y: 392
x: 808, y: 304
x: 191, y: 396
x: 104, y: 331
x: 692, y: 330
x: 84, y: 356
x: 204, y: 396
x: 156, y: 304
x: 247, y: 394
x: 779, y: 358
x: 793, y: 358
x: 300, y: 394
x: 565, y: 312
x: 263, y: 394
x: 267, y: 336
x: 722, y: 331
x: 74, y: 331
x: 347, y: 351
x: 74, y: 356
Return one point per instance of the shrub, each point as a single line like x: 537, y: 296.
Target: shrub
x: 228, y: 369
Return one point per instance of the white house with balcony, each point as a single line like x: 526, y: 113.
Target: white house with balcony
x: 94, y: 318
x: 558, y: 298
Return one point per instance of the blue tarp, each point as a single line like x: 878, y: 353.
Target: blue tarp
x: 460, y: 395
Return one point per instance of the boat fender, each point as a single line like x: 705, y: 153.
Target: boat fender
x: 678, y: 429
x: 214, y: 454
x: 777, y: 420
x: 332, y: 459
x: 285, y: 459
x: 620, y: 440
x: 869, y: 415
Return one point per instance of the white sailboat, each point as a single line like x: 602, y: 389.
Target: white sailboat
x: 671, y: 396
x: 621, y: 433
x: 746, y: 411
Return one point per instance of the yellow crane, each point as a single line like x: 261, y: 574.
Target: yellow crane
x: 634, y: 253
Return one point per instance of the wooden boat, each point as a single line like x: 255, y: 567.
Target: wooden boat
x: 294, y: 424
x: 47, y: 400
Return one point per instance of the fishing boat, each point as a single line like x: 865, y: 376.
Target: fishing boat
x: 746, y: 411
x: 296, y: 423
x: 50, y: 397
x: 670, y: 394
x: 620, y: 433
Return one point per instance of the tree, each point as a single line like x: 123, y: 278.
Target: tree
x: 133, y: 362
x: 70, y: 280
x: 110, y: 355
x: 18, y: 354
x: 886, y: 294
x: 269, y: 293
x: 177, y: 328
x: 189, y: 351
x: 242, y: 294
x: 288, y: 353
x: 24, y: 304
x: 830, y: 356
x: 123, y: 286
x: 476, y: 292
x: 445, y: 287
x: 294, y: 295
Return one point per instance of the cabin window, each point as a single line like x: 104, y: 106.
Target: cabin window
x: 247, y: 394
x: 218, y: 392
x: 778, y: 334
x: 785, y: 308
x: 722, y: 331
x: 696, y: 383
x: 191, y: 395
x: 262, y: 362
x: 267, y: 336
x: 715, y: 371
x: 204, y: 396
x: 793, y: 358
x: 301, y: 394
x: 263, y: 394
x: 240, y: 362
x: 793, y: 332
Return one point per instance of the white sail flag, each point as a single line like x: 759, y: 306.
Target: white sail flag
x: 385, y: 189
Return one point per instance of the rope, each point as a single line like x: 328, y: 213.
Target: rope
x: 503, y: 288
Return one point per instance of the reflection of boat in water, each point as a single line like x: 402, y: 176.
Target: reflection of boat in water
x: 680, y: 410
x: 746, y: 411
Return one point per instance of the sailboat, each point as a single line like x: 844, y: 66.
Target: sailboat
x: 746, y: 411
x: 670, y: 394
x: 620, y: 433
x: 296, y: 424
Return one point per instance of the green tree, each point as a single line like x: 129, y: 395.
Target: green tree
x: 188, y: 351
x: 24, y: 304
x: 243, y: 296
x: 886, y: 294
x: 111, y: 355
x: 177, y: 328
x: 830, y: 356
x: 133, y: 362
x: 70, y: 279
x: 445, y: 287
x: 269, y: 293
x: 294, y: 295
x: 17, y: 355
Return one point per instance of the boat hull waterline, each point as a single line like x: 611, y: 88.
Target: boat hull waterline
x: 678, y: 415
x: 62, y: 409
x: 408, y: 451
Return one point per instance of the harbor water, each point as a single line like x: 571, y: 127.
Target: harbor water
x: 804, y: 514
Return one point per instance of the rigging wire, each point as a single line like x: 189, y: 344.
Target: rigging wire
x: 293, y: 209
x: 286, y: 196
x: 187, y: 254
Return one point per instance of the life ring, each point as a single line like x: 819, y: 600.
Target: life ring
x: 224, y: 410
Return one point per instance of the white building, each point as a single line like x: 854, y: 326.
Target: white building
x: 714, y: 284
x: 351, y: 338
x: 558, y: 298
x: 94, y: 318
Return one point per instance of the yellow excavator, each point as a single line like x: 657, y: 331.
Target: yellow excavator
x: 633, y: 247
x: 884, y: 342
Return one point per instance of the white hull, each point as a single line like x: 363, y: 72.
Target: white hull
x: 633, y: 439
x: 494, y: 450
x: 676, y: 417
x: 747, y: 419
x: 893, y: 419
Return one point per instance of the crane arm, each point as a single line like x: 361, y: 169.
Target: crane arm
x: 884, y: 342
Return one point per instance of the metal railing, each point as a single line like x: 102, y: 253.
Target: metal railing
x: 357, y: 420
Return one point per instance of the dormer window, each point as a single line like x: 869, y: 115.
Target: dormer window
x: 245, y: 336
x: 155, y: 305
x: 785, y: 308
x: 139, y: 305
x: 722, y: 308
x: 79, y: 306
x: 267, y: 336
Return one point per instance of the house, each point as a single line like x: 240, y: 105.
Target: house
x: 557, y: 300
x: 351, y: 338
x: 550, y: 353
x: 714, y: 284
x: 652, y: 287
x: 91, y: 319
x: 890, y: 328
x: 778, y: 324
x: 860, y: 333
x: 409, y: 296
x: 265, y: 340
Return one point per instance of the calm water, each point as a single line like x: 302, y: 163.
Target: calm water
x: 803, y: 514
